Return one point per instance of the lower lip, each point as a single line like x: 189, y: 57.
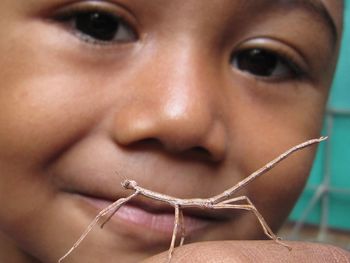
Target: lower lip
x: 160, y: 222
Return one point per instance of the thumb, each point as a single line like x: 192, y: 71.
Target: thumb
x: 254, y: 251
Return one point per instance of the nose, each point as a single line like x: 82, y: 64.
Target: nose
x: 173, y: 102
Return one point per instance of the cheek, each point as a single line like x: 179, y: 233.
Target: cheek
x: 266, y: 125
x: 276, y: 192
x: 43, y: 111
x: 282, y: 185
x: 37, y: 121
x: 45, y: 101
x: 49, y: 106
x: 44, y: 108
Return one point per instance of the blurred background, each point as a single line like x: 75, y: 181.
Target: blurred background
x: 323, y: 210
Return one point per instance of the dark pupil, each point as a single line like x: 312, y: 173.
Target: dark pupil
x: 257, y: 61
x: 97, y: 25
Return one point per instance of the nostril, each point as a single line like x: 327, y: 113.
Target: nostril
x: 150, y: 142
x: 146, y: 144
x: 194, y: 153
x: 199, y: 153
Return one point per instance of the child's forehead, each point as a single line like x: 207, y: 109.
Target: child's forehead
x: 326, y: 9
x: 327, y: 12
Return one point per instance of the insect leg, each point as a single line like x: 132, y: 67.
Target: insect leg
x: 250, y: 207
x: 173, y: 239
x: 183, y: 230
x: 116, y: 205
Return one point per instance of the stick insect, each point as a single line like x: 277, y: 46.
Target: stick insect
x: 220, y: 201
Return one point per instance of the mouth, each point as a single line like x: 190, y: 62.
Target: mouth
x: 152, y: 216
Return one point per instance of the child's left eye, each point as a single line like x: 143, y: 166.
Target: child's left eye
x: 263, y: 63
x: 98, y: 26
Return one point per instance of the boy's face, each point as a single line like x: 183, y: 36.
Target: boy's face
x: 185, y: 97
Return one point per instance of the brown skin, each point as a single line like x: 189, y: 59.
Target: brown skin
x: 254, y: 251
x: 166, y: 105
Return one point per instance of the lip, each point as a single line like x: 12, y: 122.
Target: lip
x: 149, y: 216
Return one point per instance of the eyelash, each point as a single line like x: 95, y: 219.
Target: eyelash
x: 108, y: 25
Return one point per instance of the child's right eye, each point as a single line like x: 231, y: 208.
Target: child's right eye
x: 263, y: 63
x: 96, y: 26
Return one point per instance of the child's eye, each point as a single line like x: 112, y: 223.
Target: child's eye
x: 263, y: 63
x: 98, y: 26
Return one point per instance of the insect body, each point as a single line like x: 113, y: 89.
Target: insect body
x: 220, y: 201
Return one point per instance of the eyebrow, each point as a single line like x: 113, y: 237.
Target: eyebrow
x: 317, y: 7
